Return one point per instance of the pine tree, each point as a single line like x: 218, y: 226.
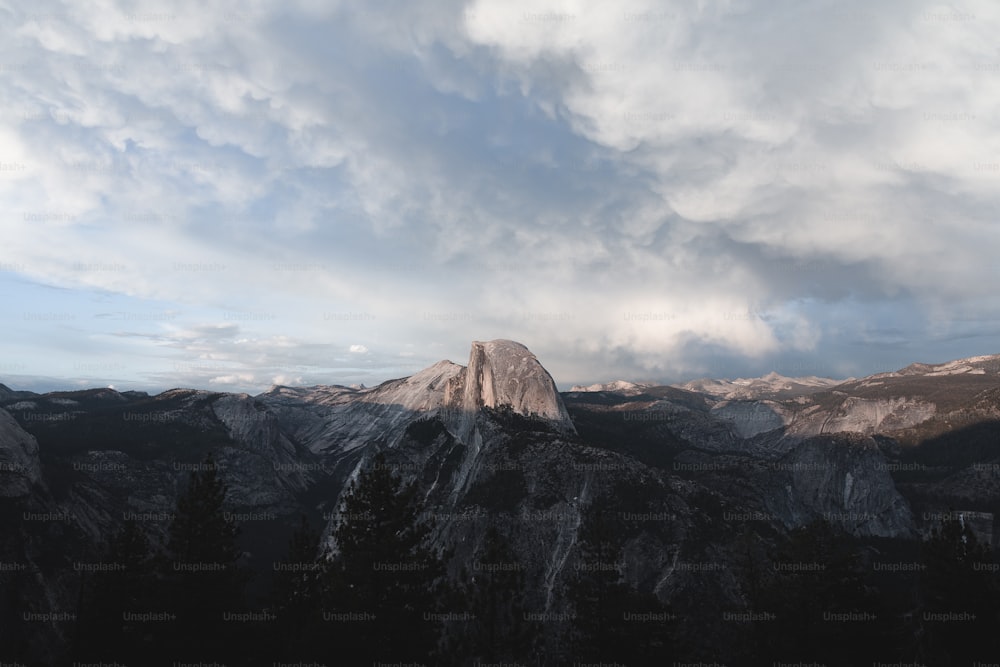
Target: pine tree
x: 755, y: 640
x: 205, y: 581
x: 959, y: 601
x: 492, y: 596
x: 823, y: 610
x: 297, y: 598
x: 613, y: 622
x: 384, y: 572
x: 121, y: 588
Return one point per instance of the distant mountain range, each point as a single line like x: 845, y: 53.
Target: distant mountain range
x: 771, y: 385
x: 494, y: 442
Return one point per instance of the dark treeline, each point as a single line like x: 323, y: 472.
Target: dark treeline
x: 385, y: 596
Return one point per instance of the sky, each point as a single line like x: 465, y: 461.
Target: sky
x: 232, y: 195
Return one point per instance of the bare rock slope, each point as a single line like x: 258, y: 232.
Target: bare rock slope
x: 20, y: 468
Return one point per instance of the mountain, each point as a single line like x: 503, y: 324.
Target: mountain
x: 623, y: 386
x: 6, y: 393
x: 771, y: 385
x: 936, y: 425
x: 921, y: 396
x: 981, y: 365
x: 685, y: 469
x: 502, y: 372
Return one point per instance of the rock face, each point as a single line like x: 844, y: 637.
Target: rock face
x: 844, y: 480
x: 333, y: 421
x: 867, y: 415
x: 20, y: 468
x: 504, y: 373
x: 750, y: 418
x: 264, y: 469
x: 429, y: 390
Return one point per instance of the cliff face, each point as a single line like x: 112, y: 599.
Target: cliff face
x: 502, y: 372
x: 866, y: 415
x: 264, y: 469
x: 844, y: 480
x: 20, y: 468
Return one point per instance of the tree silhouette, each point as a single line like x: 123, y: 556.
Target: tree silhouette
x: 297, y: 599
x: 205, y: 581
x: 821, y: 607
x: 119, y: 591
x: 492, y: 597
x: 386, y: 584
x: 613, y: 622
x: 959, y: 605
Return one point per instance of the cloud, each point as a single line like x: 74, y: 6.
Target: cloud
x: 242, y: 378
x: 629, y: 190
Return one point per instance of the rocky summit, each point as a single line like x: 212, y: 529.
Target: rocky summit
x: 690, y: 475
x: 504, y: 373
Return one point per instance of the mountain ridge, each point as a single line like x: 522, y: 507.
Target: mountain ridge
x: 495, y: 441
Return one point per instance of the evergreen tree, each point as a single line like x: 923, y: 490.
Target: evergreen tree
x: 613, y: 622
x: 115, y: 594
x: 297, y: 598
x: 959, y: 602
x: 492, y: 596
x: 205, y: 581
x: 386, y: 583
x: 822, y: 608
x: 754, y: 568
